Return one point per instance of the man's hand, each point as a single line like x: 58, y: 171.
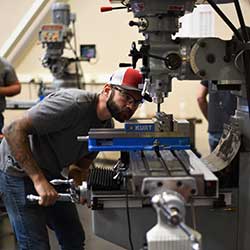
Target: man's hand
x: 17, y: 135
x: 46, y: 191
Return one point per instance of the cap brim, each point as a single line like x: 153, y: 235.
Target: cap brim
x: 146, y: 97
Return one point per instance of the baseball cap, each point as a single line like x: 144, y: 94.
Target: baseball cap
x: 129, y: 79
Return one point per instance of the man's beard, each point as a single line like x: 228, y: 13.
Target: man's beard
x: 121, y: 115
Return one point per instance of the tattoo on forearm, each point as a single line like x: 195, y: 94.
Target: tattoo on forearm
x: 20, y: 148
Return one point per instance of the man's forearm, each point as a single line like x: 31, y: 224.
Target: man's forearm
x: 10, y: 90
x: 19, y: 145
x: 78, y: 174
x: 203, y: 107
x: 80, y: 170
x: 16, y: 135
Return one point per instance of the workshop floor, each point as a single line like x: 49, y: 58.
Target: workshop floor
x: 7, y: 240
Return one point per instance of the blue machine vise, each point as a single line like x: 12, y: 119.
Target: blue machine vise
x: 139, y: 136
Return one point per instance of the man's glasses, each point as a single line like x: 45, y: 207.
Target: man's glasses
x: 127, y: 97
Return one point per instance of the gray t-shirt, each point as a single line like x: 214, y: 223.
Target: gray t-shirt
x: 7, y: 77
x: 57, y: 121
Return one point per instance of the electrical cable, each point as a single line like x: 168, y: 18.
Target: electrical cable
x: 193, y: 214
x: 236, y: 60
x: 128, y: 216
x: 76, y: 56
x: 241, y: 20
x: 246, y: 53
x: 77, y: 64
x: 246, y: 58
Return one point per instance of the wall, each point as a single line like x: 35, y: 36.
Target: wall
x: 112, y: 36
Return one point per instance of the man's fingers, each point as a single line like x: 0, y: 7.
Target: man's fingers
x: 48, y: 199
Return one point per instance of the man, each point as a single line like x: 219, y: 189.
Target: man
x: 217, y: 111
x: 40, y: 144
x: 9, y: 86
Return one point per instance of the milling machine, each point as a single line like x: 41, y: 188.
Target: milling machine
x: 209, y: 212
x: 157, y: 168
x: 56, y: 38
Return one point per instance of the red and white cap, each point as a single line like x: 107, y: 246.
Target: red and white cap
x: 129, y: 79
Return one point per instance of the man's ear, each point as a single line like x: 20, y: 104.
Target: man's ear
x: 107, y: 89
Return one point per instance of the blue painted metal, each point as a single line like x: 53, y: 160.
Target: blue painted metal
x: 132, y: 144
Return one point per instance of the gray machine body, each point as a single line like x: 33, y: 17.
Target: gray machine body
x: 223, y: 227
x: 217, y: 226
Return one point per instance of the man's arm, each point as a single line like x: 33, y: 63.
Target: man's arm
x: 202, y: 100
x: 12, y: 85
x: 16, y: 135
x: 80, y: 170
x: 12, y: 89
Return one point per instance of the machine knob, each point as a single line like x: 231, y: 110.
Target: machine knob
x: 173, y: 61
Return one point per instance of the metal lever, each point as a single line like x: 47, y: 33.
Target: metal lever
x: 119, y: 168
x: 109, y: 8
x: 195, y: 244
x: 172, y: 207
x: 61, y: 197
x: 145, y: 86
x: 74, y: 192
x: 57, y: 182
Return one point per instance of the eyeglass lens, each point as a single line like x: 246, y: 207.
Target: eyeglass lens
x: 129, y: 98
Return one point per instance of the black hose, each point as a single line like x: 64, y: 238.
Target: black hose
x: 128, y: 216
x: 241, y: 20
x: 246, y: 53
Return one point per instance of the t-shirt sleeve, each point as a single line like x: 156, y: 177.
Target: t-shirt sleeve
x: 56, y: 112
x: 10, y: 75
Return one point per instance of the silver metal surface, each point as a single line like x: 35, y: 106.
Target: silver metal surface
x: 171, y: 231
x: 226, y: 149
x: 177, y: 165
x: 186, y: 186
x: 121, y: 133
x: 61, y: 197
x: 181, y: 172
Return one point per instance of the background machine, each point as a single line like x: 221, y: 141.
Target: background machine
x: 156, y: 168
x: 56, y: 38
